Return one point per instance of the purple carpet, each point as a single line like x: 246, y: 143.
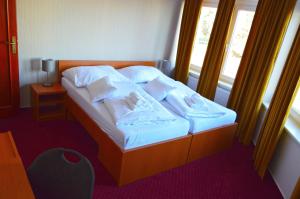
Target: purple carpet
x: 229, y: 174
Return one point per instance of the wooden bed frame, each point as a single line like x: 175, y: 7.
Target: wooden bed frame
x: 211, y: 141
x: 127, y: 166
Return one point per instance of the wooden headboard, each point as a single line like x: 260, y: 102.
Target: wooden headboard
x: 66, y: 64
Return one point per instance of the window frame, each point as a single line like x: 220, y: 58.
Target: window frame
x: 241, y: 5
x: 237, y: 7
x: 206, y: 3
x: 295, y: 115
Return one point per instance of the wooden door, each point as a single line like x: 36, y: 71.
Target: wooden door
x: 9, y: 70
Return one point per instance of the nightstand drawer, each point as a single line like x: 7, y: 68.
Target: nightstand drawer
x: 48, y: 102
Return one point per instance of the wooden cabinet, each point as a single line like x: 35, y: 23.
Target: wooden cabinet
x: 13, y: 178
x: 48, y: 102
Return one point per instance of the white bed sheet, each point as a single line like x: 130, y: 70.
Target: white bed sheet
x: 198, y: 124
x: 202, y: 124
x: 128, y: 137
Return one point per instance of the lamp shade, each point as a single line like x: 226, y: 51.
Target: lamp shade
x: 48, y: 65
x: 166, y: 67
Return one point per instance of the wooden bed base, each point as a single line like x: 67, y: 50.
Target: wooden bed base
x: 127, y: 166
x: 211, y: 141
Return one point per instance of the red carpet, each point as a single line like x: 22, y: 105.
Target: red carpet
x: 226, y: 175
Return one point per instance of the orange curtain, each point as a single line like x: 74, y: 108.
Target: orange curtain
x: 212, y: 64
x: 268, y: 29
x: 280, y: 106
x: 190, y: 17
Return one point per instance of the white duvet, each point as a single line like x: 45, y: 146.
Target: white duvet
x: 176, y: 98
x: 123, y: 115
x: 126, y: 137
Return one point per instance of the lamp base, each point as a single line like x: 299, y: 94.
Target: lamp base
x: 47, y: 84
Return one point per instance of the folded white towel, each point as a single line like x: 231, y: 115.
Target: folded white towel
x: 136, y: 102
x: 123, y: 115
x: 176, y: 100
x: 118, y: 108
x: 196, y: 102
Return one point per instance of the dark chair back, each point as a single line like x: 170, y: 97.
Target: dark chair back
x: 53, y: 176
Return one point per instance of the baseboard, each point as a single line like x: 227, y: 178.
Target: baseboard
x: 274, y: 179
x: 277, y: 184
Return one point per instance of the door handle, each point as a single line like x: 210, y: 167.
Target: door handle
x: 13, y: 44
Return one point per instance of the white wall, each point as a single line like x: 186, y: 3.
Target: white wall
x: 92, y: 29
x: 284, y: 166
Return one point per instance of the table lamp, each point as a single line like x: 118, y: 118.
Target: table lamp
x: 48, y: 65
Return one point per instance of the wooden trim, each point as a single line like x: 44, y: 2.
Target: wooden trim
x: 14, y: 58
x: 14, y: 182
x: 211, y: 141
x: 155, y: 158
x: 127, y: 166
x: 13, y: 85
x: 66, y: 64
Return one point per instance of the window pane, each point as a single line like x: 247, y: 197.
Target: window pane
x: 296, y: 104
x: 204, y: 29
x: 237, y: 43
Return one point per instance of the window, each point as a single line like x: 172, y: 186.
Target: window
x: 295, y: 112
x: 237, y: 43
x: 204, y: 29
x: 239, y: 31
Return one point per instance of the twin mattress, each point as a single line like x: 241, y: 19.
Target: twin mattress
x: 126, y: 137
x: 199, y: 124
x: 129, y: 137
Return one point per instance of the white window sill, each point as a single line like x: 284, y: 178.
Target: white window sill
x: 224, y: 85
x: 291, y: 126
x: 194, y: 74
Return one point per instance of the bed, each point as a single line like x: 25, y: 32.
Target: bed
x: 209, y: 135
x: 135, y: 158
x: 126, y: 137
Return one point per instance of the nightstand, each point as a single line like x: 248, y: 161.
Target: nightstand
x: 48, y: 102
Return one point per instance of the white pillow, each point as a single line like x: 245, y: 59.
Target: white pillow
x: 82, y: 76
x: 101, y: 89
x: 158, y: 88
x: 140, y: 74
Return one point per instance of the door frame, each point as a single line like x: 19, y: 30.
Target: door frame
x: 13, y: 60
